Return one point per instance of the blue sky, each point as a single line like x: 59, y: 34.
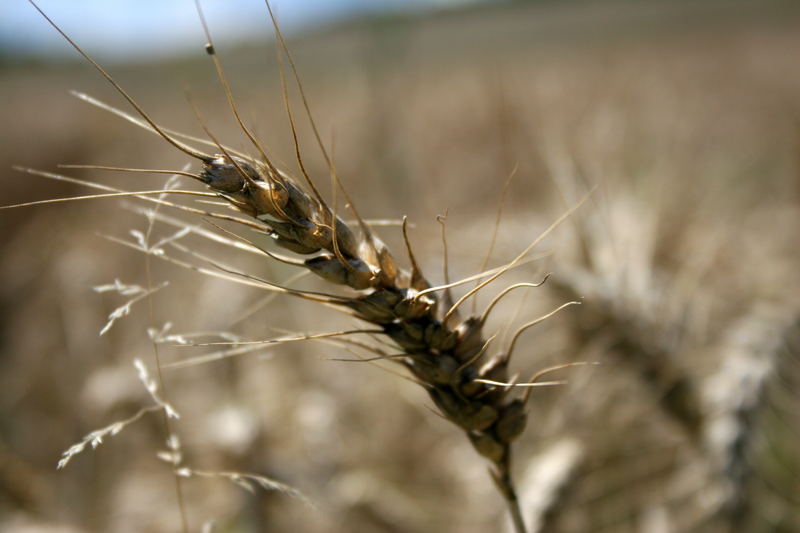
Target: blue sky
x: 120, y: 29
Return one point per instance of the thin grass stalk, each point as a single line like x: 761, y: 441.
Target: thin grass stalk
x: 167, y: 423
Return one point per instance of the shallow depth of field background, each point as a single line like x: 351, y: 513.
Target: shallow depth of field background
x: 685, y: 116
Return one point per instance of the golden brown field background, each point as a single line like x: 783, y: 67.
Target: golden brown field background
x: 684, y: 115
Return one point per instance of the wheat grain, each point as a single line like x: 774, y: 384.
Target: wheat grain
x: 445, y: 352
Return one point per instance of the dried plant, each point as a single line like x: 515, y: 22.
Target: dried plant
x: 444, y: 350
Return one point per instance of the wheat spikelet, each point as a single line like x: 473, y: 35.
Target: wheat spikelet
x: 447, y: 354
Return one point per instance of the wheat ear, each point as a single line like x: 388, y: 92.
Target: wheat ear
x: 446, y: 354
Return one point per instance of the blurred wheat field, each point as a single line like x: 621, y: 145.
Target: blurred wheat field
x: 685, y: 117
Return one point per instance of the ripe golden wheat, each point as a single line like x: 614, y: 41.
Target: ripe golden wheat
x: 444, y: 350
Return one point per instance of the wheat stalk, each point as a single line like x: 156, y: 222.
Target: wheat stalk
x: 445, y: 352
